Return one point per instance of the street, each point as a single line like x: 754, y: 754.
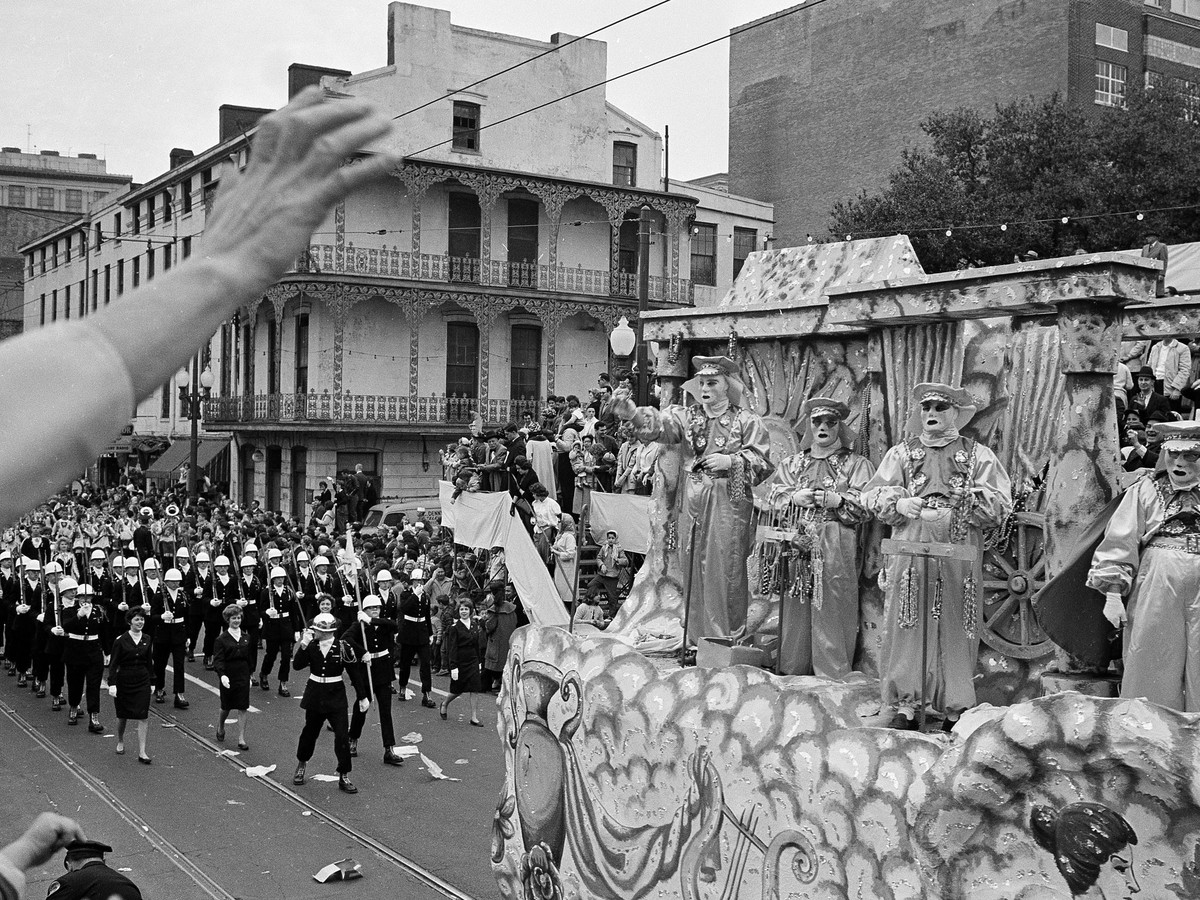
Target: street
x: 193, y: 825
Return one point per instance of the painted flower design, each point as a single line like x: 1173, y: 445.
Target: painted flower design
x: 720, y: 441
x: 917, y: 453
x: 961, y: 457
x: 920, y: 480
x: 502, y: 825
x: 539, y: 875
x: 958, y: 480
x: 828, y: 482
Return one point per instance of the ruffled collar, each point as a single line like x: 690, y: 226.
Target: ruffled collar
x: 825, y: 452
x: 937, y: 439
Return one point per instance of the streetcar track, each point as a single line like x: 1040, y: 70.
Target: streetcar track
x: 202, y: 880
x: 407, y: 865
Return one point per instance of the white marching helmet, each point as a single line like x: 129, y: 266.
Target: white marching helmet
x: 278, y: 572
x: 150, y: 563
x: 250, y: 547
x: 86, y: 591
x: 183, y: 553
x: 302, y: 555
x: 53, y: 568
x: 370, y: 601
x: 221, y: 560
x: 324, y: 622
x: 68, y: 584
x: 248, y: 561
x: 203, y: 556
x: 97, y: 555
x: 173, y: 575
x: 417, y: 574
x: 31, y: 565
x: 320, y: 561
x: 132, y: 563
x: 384, y: 575
x: 274, y: 553
x: 6, y: 556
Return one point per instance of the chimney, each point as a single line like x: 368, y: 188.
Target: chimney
x: 301, y: 76
x: 180, y: 156
x: 10, y: 149
x: 87, y: 155
x: 235, y: 120
x: 49, y: 153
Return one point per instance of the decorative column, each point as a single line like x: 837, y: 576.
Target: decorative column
x: 487, y: 192
x: 1083, y: 472
x: 339, y: 237
x: 554, y: 197
x: 417, y: 310
x: 416, y: 182
x: 676, y: 226
x: 552, y: 316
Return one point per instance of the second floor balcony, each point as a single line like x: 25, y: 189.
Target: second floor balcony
x: 324, y: 409
x: 397, y: 263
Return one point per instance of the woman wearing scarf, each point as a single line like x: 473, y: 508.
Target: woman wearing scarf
x: 935, y: 486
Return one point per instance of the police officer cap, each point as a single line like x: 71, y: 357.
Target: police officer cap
x: 118, y: 561
x: 77, y: 849
x: 278, y: 572
x: 324, y: 622
x: 68, y: 584
x: 173, y: 575
x: 96, y: 554
x: 370, y: 601
x: 248, y: 561
x: 221, y: 561
x: 203, y: 556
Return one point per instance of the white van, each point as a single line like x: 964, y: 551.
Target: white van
x: 391, y: 514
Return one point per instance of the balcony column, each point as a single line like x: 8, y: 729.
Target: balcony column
x: 615, y: 205
x: 485, y: 316
x: 487, y: 192
x: 339, y: 237
x: 416, y: 182
x: 676, y: 226
x: 551, y: 317
x: 554, y: 197
x: 416, y: 313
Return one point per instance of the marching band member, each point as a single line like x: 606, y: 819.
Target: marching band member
x: 373, y: 652
x: 281, y: 627
x: 168, y: 609
x: 324, y: 698
x: 89, y: 643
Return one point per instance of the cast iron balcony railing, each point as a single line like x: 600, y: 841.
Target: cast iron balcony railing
x: 397, y: 263
x: 363, y: 409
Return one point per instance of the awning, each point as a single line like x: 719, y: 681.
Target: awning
x: 207, y: 449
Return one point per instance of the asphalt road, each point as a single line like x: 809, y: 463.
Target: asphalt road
x: 194, y: 825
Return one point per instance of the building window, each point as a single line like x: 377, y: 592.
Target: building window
x: 150, y: 211
x: 166, y: 205
x: 97, y: 196
x: 66, y: 251
x: 1187, y: 8
x: 627, y: 245
x: 54, y: 255
x: 45, y: 198
x: 43, y: 260
x: 226, y: 361
x: 462, y: 359
x: 149, y: 263
x: 95, y: 289
x: 136, y: 218
x: 466, y: 126
x: 73, y: 199
x: 464, y: 237
x: 137, y: 271
x: 67, y: 302
x: 744, y: 240
x: 247, y: 358
x: 1172, y: 51
x: 1157, y: 4
x: 54, y: 306
x: 1114, y: 38
x: 272, y: 354
x: 16, y: 195
x: 625, y: 163
x: 187, y: 247
x: 301, y: 353
x: 522, y: 242
x: 107, y: 284
x: 98, y: 236
x: 42, y: 320
x: 82, y: 298
x: 525, y: 372
x: 186, y: 195
x: 165, y: 411
x: 704, y: 254
x: 1110, y: 83
x: 117, y: 226
x: 120, y: 277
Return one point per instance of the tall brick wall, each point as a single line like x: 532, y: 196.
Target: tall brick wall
x: 821, y: 102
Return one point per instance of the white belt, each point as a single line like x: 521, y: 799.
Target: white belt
x: 367, y: 657
x: 414, y: 618
x: 83, y: 637
x: 325, y: 679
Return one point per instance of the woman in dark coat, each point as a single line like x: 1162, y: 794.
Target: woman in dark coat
x: 465, y: 636
x: 131, y: 676
x: 232, y: 662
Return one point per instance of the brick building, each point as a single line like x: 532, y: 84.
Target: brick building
x: 823, y: 99
x: 37, y: 192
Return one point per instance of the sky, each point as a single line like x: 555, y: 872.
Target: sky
x: 130, y: 79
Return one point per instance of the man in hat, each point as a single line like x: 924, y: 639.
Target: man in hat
x: 815, y: 494
x: 1156, y: 249
x: 324, y: 697
x: 1171, y: 362
x: 725, y: 451
x: 610, y: 560
x: 1147, y: 565
x: 936, y: 486
x: 1149, y: 403
x: 89, y: 877
x: 143, y: 537
x: 372, y: 638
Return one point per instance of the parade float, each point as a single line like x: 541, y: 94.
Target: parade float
x: 630, y: 775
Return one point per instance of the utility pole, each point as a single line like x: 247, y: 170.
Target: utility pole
x: 643, y: 381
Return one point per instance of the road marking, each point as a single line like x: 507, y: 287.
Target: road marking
x: 208, y: 687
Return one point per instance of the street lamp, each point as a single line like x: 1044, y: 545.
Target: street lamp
x: 191, y: 399
x: 624, y: 341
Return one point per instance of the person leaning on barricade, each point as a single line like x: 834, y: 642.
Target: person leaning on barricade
x: 106, y: 363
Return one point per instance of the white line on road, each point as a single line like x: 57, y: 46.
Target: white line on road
x: 206, y: 686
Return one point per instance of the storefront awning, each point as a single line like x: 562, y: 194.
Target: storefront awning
x: 207, y: 449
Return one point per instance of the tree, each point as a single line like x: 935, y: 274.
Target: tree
x: 1029, y: 165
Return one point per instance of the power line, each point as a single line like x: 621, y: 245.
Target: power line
x: 802, y: 8
x: 525, y: 62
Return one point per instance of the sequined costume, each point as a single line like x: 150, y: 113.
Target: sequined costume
x: 1150, y: 554
x: 719, y: 506
x: 815, y: 574
x: 968, y: 487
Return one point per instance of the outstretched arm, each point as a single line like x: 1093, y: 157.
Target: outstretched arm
x: 260, y: 224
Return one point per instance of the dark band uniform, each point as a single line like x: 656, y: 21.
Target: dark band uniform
x: 88, y: 641
x: 93, y: 880
x: 169, y: 640
x: 415, y: 629
x: 324, y: 701
x: 279, y: 632
x: 381, y: 637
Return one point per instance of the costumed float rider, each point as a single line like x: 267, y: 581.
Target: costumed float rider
x: 813, y: 499
x: 1150, y: 555
x: 935, y: 487
x: 725, y: 454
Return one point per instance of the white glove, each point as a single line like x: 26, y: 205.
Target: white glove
x: 454, y: 674
x: 107, y: 657
x: 57, y: 631
x: 828, y: 499
x: 272, y: 613
x: 168, y: 618
x: 22, y: 608
x: 225, y: 681
x: 1114, y: 609
x: 363, y: 617
x: 910, y: 507
x: 123, y: 606
x: 112, y: 690
x: 214, y: 602
x: 364, y: 704
x: 805, y: 497
x: 930, y: 514
x: 295, y: 636
x: 347, y: 600
x: 198, y: 592
x: 242, y: 602
x: 41, y: 617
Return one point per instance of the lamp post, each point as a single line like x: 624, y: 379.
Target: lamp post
x: 624, y: 340
x: 191, y: 396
